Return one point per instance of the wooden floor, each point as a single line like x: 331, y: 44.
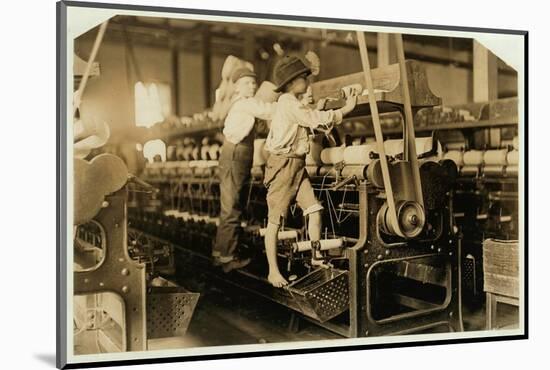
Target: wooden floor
x: 245, y: 319
x: 242, y: 318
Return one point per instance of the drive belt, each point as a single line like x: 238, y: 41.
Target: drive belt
x: 408, y: 132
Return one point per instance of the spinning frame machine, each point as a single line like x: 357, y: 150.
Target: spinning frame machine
x: 392, y: 262
x: 112, y: 259
x: 114, y: 270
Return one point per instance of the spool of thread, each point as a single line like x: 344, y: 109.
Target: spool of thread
x: 495, y: 157
x: 493, y: 170
x: 187, y: 153
x: 214, y: 152
x: 180, y: 149
x: 393, y: 147
x: 359, y: 154
x: 325, y: 244
x: 468, y: 170
x: 195, y: 153
x: 456, y: 156
x: 171, y: 153
x: 204, y: 152
x: 458, y: 145
x: 473, y: 158
x: 259, y: 158
x: 505, y: 218
x: 287, y: 234
x: 512, y: 170
x: 186, y: 121
x: 282, y: 235
x: 422, y: 145
x: 327, y: 171
x: 513, y: 157
x: 360, y: 172
x: 332, y: 155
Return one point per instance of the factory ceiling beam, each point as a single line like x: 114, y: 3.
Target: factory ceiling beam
x: 166, y: 30
x: 152, y: 35
x: 413, y: 50
x: 420, y: 50
x: 219, y: 47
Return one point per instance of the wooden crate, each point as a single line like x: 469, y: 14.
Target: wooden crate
x: 501, y: 267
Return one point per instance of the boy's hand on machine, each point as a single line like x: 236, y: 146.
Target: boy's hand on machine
x: 277, y: 280
x: 351, y: 101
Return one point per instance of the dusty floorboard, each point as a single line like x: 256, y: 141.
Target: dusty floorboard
x: 236, y: 317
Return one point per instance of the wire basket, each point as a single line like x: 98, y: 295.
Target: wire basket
x: 322, y: 294
x: 169, y: 311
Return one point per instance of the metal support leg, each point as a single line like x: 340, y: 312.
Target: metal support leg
x: 294, y: 323
x: 118, y: 273
x: 491, y: 312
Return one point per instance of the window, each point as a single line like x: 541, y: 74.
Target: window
x: 152, y: 102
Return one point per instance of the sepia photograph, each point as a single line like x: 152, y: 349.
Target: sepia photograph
x: 251, y: 184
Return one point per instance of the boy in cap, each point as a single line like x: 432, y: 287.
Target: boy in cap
x: 235, y: 163
x: 287, y: 143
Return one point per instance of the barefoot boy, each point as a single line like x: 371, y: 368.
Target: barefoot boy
x: 287, y: 143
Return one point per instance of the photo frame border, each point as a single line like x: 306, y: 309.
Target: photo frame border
x: 61, y: 188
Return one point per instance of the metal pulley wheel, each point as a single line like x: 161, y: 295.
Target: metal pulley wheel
x: 410, y: 216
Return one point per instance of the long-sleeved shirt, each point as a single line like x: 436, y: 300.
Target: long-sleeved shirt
x: 241, y: 117
x: 291, y: 123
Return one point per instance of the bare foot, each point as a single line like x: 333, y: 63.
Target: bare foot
x: 277, y: 280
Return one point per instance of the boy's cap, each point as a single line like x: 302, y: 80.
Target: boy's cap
x: 242, y: 72
x: 288, y: 69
